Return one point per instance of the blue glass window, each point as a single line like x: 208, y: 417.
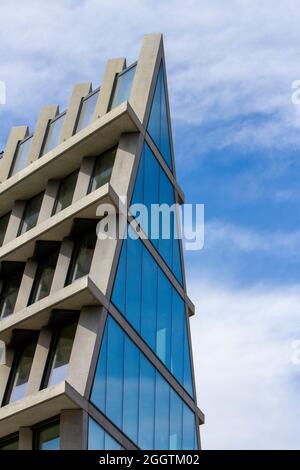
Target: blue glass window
x: 158, y: 126
x: 47, y: 437
x: 53, y: 133
x: 122, y: 87
x: 87, y: 109
x: 21, y: 156
x: 153, y: 307
x: 154, y: 187
x: 98, y: 439
x: 137, y: 399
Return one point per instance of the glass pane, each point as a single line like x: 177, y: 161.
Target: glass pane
x: 123, y: 87
x: 87, y: 111
x: 103, y: 169
x: 83, y: 255
x: 21, y: 156
x: 162, y: 419
x: 158, y: 126
x: 48, y: 438
x: 115, y: 362
x: 21, y: 372
x: 118, y: 295
x: 164, y: 319
x: 178, y: 318
x: 98, y: 395
x: 31, y: 213
x: 65, y: 192
x: 133, y: 283
x: 44, y: 277
x: 149, y: 300
x: 146, y: 404
x: 131, y: 390
x: 9, y: 294
x: 188, y: 436
x: 3, y: 227
x: 175, y: 422
x: 10, y: 444
x: 62, y: 353
x: 98, y: 439
x: 53, y: 134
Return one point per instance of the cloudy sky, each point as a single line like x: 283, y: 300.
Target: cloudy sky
x: 237, y: 139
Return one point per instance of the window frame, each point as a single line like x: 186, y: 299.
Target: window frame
x: 9, y: 439
x: 37, y: 428
x: 41, y: 194
x: 85, y: 98
x: 59, y: 191
x: 50, y: 121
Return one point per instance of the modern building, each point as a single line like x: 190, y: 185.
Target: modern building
x: 95, y: 334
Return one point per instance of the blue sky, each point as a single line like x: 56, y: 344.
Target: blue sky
x: 236, y: 133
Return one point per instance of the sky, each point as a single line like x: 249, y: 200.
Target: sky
x: 230, y: 66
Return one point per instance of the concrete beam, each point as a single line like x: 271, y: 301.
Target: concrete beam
x: 39, y: 361
x: 79, y: 91
x: 62, y: 265
x: 26, y: 285
x: 14, y: 222
x: 16, y: 134
x: 5, y: 371
x: 46, y: 114
x: 147, y: 66
x: 113, y: 67
x: 48, y: 201
x: 84, y: 178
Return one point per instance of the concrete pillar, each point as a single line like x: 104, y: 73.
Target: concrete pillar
x: 14, y: 221
x: 25, y: 438
x: 39, y: 362
x: 79, y: 91
x: 16, y: 134
x: 62, y: 265
x: 103, y: 255
x: 85, y: 343
x: 147, y: 66
x: 73, y: 429
x: 84, y: 178
x: 113, y: 67
x: 124, y: 163
x: 5, y: 371
x: 26, y: 285
x: 46, y: 114
x: 48, y: 200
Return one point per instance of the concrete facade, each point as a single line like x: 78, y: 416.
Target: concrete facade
x: 124, y: 128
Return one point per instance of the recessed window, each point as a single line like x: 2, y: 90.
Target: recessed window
x: 102, y: 169
x: 53, y: 133
x: 87, y: 109
x: 60, y: 353
x: 19, y: 376
x: 10, y: 442
x: 123, y: 86
x: 3, y: 227
x: 21, y: 156
x: 83, y: 253
x: 45, y: 272
x: 65, y: 192
x: 47, y: 437
x: 31, y: 213
x: 11, y: 277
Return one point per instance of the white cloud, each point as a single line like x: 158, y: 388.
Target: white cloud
x: 225, y: 64
x: 220, y: 234
x: 247, y: 385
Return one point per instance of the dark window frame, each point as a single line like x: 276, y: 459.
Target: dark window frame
x: 37, y: 428
x: 112, y: 149
x: 50, y: 121
x: 9, y: 439
x: 41, y: 194
x: 59, y: 191
x: 85, y: 98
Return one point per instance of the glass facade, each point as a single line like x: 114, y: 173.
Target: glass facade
x: 122, y: 87
x: 10, y: 285
x: 149, y: 302
x: 154, y: 187
x: 21, y: 156
x: 31, y: 213
x: 44, y: 276
x: 3, y: 227
x: 158, y: 125
x: 52, y: 138
x: 137, y: 399
x: 19, y: 375
x: 60, y: 354
x: 65, y: 192
x: 47, y: 437
x: 98, y: 439
x: 102, y: 169
x: 82, y: 256
x: 87, y: 109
